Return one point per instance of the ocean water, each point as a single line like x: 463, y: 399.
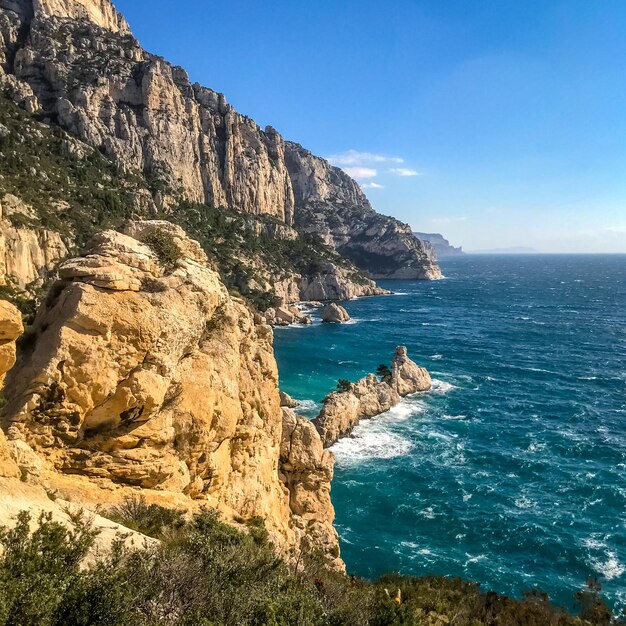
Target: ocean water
x: 512, y: 470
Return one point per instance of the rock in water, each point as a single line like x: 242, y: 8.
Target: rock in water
x: 335, y: 314
x: 368, y: 397
x: 406, y: 376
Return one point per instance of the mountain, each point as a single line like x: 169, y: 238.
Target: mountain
x: 75, y: 66
x: 442, y: 246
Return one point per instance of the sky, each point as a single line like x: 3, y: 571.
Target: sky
x: 498, y: 123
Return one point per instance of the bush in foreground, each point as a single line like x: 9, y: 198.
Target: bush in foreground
x: 205, y: 573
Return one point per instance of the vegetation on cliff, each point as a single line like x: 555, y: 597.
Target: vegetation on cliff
x: 205, y: 573
x: 75, y: 190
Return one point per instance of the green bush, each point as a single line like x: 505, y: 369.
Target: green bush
x: 164, y: 246
x: 344, y: 385
x: 205, y: 573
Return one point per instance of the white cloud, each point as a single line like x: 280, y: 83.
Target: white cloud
x: 403, y: 171
x: 371, y: 186
x: 360, y: 172
x: 354, y: 157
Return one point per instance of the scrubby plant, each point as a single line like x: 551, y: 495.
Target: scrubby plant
x: 383, y: 371
x: 344, y: 385
x: 205, y: 573
x: 164, y: 246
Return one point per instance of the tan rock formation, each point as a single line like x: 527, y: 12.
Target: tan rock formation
x: 146, y: 374
x: 100, y: 12
x: 307, y: 470
x: 27, y: 254
x: 406, y: 376
x: 10, y: 329
x: 287, y: 401
x: 368, y: 397
x: 334, y: 313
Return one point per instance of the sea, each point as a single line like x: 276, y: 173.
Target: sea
x: 511, y: 471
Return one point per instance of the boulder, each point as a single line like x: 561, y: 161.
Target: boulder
x: 287, y: 401
x: 334, y: 313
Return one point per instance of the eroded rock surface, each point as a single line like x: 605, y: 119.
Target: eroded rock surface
x: 144, y: 373
x: 370, y: 396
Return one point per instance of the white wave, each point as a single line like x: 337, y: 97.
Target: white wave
x: 372, y: 438
x: 474, y: 559
x: 525, y: 503
x: 308, y: 407
x: 609, y: 567
x: 436, y: 357
x: 352, y: 320
x: 453, y: 417
x: 441, y: 386
x: 370, y: 443
x: 399, y: 293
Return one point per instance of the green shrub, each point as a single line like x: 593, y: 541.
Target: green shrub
x: 205, y: 573
x: 150, y: 519
x: 344, y: 385
x: 164, y: 246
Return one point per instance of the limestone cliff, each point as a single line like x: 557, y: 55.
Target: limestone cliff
x: 76, y: 64
x: 27, y: 254
x: 442, y: 246
x: 142, y: 372
x: 332, y: 205
x: 368, y: 397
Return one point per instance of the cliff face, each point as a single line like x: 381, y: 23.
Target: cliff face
x: 143, y: 373
x: 76, y: 63
x: 26, y: 254
x: 332, y: 205
x: 442, y: 246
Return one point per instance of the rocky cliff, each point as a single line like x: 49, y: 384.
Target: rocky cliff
x: 442, y: 246
x: 142, y: 372
x: 76, y: 64
x: 332, y: 205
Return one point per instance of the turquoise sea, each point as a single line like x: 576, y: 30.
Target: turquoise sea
x: 512, y: 470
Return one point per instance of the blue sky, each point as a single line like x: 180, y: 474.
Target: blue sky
x: 496, y: 122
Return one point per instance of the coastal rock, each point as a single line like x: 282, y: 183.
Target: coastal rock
x: 287, y: 401
x: 406, y: 376
x: 332, y: 205
x: 335, y: 314
x: 442, y: 246
x: 11, y: 328
x: 307, y: 470
x: 343, y: 410
x: 145, y: 374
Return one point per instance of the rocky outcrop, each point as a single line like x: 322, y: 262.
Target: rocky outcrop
x: 11, y: 328
x: 406, y: 376
x: 332, y: 205
x: 307, y: 471
x: 442, y: 246
x: 334, y: 313
x: 144, y: 373
x: 27, y: 254
x: 368, y: 397
x: 77, y: 64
